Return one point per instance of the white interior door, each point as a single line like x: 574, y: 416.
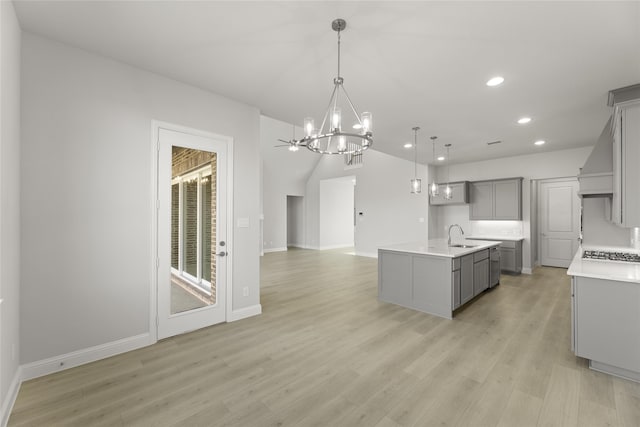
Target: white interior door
x: 559, y: 221
x: 192, y: 244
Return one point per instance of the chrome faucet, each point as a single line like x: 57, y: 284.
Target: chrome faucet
x: 461, y: 232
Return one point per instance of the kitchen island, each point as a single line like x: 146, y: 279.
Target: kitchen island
x: 435, y: 277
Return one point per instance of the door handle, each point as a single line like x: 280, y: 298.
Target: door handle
x: 222, y: 253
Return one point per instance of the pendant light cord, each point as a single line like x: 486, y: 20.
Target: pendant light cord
x: 415, y: 152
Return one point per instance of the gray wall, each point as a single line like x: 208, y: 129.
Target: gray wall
x: 597, y: 230
x: 284, y: 173
x: 391, y: 214
x: 9, y: 198
x: 86, y: 196
x: 336, y: 212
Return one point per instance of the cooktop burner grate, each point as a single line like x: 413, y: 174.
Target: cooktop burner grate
x: 611, y: 256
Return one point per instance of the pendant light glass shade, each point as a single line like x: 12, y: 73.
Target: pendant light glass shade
x: 448, y: 192
x: 416, y: 183
x: 434, y: 191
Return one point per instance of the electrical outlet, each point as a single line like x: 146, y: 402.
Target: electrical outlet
x: 245, y: 291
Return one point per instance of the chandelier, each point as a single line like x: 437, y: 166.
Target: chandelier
x: 330, y: 138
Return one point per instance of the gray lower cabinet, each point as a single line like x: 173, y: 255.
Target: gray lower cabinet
x: 606, y: 325
x: 473, y: 276
x: 420, y: 282
x: 481, y: 267
x: 432, y: 284
x: 466, y: 278
x: 455, y: 279
x: 511, y: 256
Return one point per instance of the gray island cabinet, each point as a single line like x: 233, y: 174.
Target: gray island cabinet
x: 433, y: 277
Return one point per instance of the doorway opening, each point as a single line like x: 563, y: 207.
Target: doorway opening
x: 337, y: 213
x: 295, y: 222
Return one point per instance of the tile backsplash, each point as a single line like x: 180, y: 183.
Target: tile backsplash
x: 497, y: 228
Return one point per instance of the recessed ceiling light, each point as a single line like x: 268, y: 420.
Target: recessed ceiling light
x: 540, y: 142
x: 495, y: 81
x: 524, y: 120
x: 441, y: 158
x: 408, y: 145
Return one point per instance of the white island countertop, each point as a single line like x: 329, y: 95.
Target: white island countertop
x: 439, y: 247
x: 601, y: 269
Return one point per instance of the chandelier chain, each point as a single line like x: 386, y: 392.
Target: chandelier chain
x: 338, y: 53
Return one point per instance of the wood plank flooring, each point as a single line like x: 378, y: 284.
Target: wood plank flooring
x: 325, y: 352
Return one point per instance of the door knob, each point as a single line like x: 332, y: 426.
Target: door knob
x: 222, y: 253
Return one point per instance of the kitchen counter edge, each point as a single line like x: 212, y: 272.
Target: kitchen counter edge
x: 440, y: 248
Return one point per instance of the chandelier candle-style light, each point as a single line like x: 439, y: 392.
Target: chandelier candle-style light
x: 433, y: 188
x: 330, y: 138
x: 416, y: 183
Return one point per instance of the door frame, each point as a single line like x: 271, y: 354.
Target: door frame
x: 156, y: 125
x: 539, y: 183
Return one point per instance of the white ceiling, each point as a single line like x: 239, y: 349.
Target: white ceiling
x: 410, y: 63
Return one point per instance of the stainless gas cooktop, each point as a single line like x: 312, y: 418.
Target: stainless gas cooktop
x: 611, y: 256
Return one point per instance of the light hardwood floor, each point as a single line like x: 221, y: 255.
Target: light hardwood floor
x: 325, y: 352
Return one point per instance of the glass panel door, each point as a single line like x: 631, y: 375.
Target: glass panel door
x: 192, y: 278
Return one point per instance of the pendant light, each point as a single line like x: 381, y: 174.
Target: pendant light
x: 448, y: 192
x: 330, y: 137
x: 416, y: 183
x: 433, y: 188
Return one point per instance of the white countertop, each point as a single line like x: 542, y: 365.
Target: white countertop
x: 602, y: 269
x: 439, y: 247
x: 503, y: 237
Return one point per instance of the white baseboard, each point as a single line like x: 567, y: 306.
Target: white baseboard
x: 526, y: 270
x: 243, y: 313
x: 324, y: 248
x: 10, y: 398
x: 87, y: 355
x: 367, y: 254
x: 274, y: 250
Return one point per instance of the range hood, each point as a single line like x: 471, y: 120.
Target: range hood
x: 596, y: 176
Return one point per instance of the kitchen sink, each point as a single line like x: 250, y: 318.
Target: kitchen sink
x: 462, y: 246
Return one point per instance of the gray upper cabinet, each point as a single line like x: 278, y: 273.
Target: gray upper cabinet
x: 481, y: 200
x: 459, y: 194
x: 626, y: 156
x: 496, y: 200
